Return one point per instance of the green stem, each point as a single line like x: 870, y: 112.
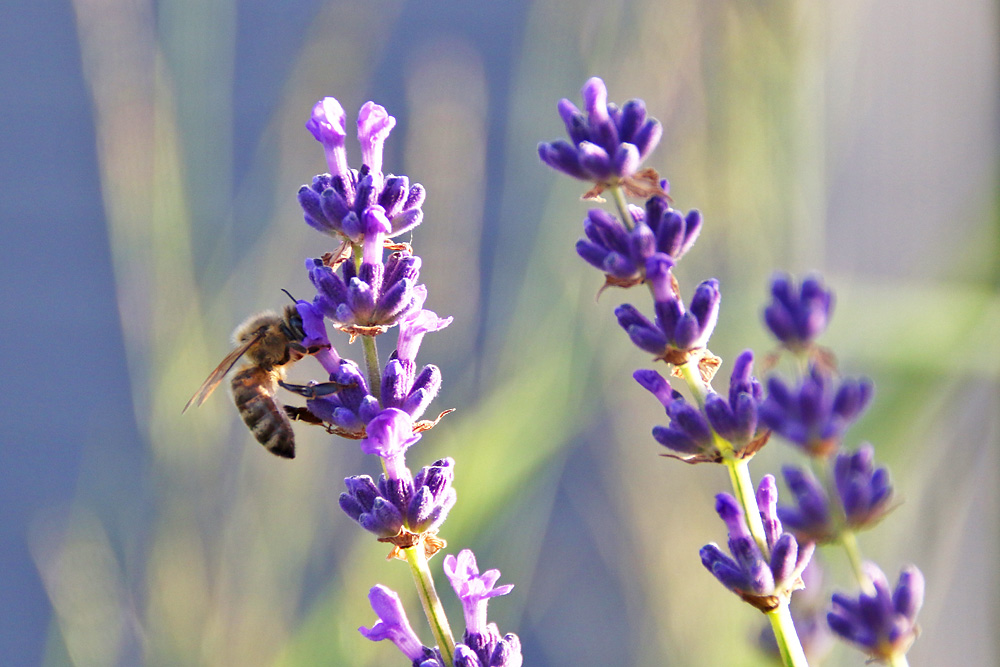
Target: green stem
x: 850, y: 544
x: 739, y: 475
x: 622, y: 205
x: 372, y: 369
x: 431, y: 602
x: 792, y: 654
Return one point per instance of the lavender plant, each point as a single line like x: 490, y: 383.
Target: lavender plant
x: 363, y: 293
x: 769, y: 547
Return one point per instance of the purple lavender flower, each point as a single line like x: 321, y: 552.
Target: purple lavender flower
x: 388, y: 435
x: 810, y: 518
x: 736, y: 419
x: 420, y: 505
x: 678, y: 331
x: 336, y: 203
x: 863, y: 497
x: 865, y: 491
x: 798, y: 315
x: 482, y: 644
x: 608, y: 143
x: 392, y: 624
x: 376, y: 295
x: 883, y: 625
x: 815, y: 415
x: 689, y: 433
x: 622, y: 253
x: 763, y: 581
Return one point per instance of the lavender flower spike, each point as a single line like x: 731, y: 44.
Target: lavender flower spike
x: 798, y: 315
x: 607, y: 144
x: 393, y: 625
x: 328, y: 124
x: 883, y: 625
x: 764, y: 581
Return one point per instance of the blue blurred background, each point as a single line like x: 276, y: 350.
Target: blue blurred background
x: 854, y: 138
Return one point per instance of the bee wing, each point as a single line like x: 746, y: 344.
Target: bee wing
x: 213, y: 380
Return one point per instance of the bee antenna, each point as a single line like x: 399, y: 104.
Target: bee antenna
x: 289, y: 295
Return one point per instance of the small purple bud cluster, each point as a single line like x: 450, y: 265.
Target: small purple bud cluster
x: 364, y: 293
x: 482, y: 644
x: 623, y: 253
x: 693, y: 434
x: 607, y: 143
x: 816, y: 414
x: 641, y: 245
x: 863, y: 497
x: 420, y: 505
x: 760, y: 580
x: 883, y: 624
x: 797, y: 316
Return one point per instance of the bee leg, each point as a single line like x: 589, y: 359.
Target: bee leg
x: 302, y: 415
x: 315, y: 389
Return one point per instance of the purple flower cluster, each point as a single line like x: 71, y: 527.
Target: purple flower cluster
x: 763, y: 578
x: 863, y: 497
x: 607, y: 143
x: 692, y: 432
x: 482, y: 644
x: 622, y: 252
x: 815, y: 415
x: 882, y: 624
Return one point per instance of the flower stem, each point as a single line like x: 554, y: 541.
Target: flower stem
x: 850, y: 543
x: 622, y: 205
x: 372, y: 369
x: 739, y: 475
x: 792, y: 654
x: 431, y: 602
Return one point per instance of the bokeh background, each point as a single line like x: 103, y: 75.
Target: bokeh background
x: 150, y: 155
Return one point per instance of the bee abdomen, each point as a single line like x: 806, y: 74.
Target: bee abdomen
x: 253, y: 393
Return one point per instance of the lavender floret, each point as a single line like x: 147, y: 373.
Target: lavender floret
x: 607, y: 143
x: 815, y: 415
x: 797, y: 315
x: 883, y: 624
x: 763, y: 581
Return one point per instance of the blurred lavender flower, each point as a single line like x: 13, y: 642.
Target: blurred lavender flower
x: 815, y: 415
x: 607, y: 144
x: 335, y: 203
x: 798, y: 315
x: 863, y: 493
x: 621, y: 252
x: 884, y: 624
x: 392, y: 624
x: 763, y: 581
x: 482, y: 644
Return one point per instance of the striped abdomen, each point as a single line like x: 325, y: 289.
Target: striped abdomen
x: 253, y: 393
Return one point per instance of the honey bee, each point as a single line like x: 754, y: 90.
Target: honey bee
x: 270, y: 343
